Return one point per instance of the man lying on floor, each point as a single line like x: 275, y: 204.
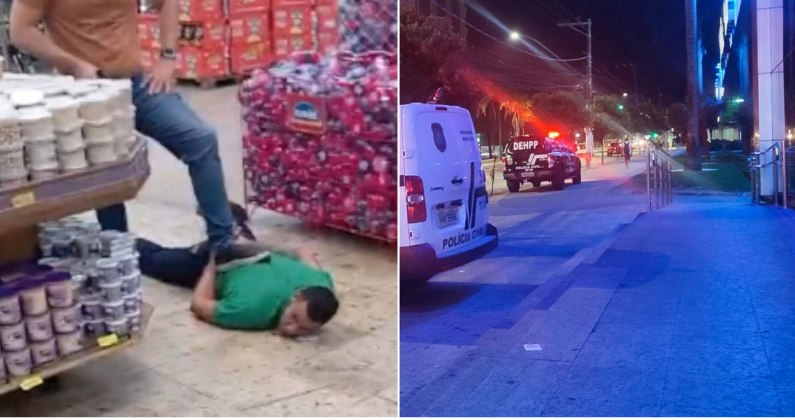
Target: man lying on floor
x: 282, y: 290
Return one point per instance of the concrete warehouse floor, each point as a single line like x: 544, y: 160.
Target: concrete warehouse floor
x: 186, y: 368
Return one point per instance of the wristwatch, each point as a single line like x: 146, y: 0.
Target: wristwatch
x: 168, y: 53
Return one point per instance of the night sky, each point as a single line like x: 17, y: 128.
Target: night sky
x: 649, y: 33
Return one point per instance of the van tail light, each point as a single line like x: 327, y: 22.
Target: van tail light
x: 507, y: 160
x: 415, y: 200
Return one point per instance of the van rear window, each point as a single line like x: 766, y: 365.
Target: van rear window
x: 438, y: 137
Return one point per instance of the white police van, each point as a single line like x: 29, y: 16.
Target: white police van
x: 443, y: 203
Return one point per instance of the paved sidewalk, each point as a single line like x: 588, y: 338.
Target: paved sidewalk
x: 689, y: 312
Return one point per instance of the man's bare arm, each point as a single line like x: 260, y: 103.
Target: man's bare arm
x: 204, y: 301
x: 169, y: 23
x: 26, y: 35
x: 161, y: 78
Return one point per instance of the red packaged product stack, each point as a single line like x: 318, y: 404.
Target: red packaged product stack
x: 202, y: 47
x: 321, y: 141
x: 249, y: 39
x: 237, y: 7
x: 199, y: 10
x: 327, y: 29
x: 292, y: 27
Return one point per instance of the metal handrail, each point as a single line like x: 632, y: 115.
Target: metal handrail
x: 659, y: 167
x: 778, y: 162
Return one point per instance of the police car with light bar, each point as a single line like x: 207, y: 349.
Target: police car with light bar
x: 537, y: 159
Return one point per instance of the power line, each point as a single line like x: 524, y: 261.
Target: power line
x: 504, y: 43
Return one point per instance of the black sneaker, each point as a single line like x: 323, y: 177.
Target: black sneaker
x: 241, y: 221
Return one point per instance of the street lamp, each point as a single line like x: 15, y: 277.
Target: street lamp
x: 515, y: 36
x: 625, y: 94
x: 621, y: 107
x: 577, y: 135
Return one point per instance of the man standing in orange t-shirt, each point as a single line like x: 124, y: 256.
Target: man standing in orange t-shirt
x: 93, y: 38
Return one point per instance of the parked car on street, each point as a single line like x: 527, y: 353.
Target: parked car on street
x: 538, y: 159
x: 443, y: 202
x: 615, y: 149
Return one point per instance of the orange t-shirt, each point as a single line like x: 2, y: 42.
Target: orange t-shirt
x: 101, y: 32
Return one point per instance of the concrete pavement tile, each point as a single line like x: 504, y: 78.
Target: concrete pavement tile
x: 775, y: 318
x: 780, y: 349
x: 675, y: 411
x: 73, y: 387
x: 591, y: 276
x: 519, y: 390
x: 547, y: 333
x: 719, y: 357
x: 662, y: 298
x: 579, y: 407
x: 327, y: 402
x: 421, y: 364
x: 785, y: 388
x: 745, y: 395
x: 636, y: 384
x: 494, y: 298
x: 586, y: 296
x: 448, y: 391
x: 627, y: 345
x: 124, y: 397
x: 500, y: 384
x: 704, y: 322
x: 464, y: 329
x: 646, y: 314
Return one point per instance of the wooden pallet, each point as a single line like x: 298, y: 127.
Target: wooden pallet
x: 94, y: 352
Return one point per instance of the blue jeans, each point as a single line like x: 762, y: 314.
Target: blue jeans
x: 167, y: 119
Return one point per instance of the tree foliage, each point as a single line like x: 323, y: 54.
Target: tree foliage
x: 562, y: 111
x: 432, y: 55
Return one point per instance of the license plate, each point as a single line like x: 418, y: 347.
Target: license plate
x: 528, y: 174
x: 447, y: 217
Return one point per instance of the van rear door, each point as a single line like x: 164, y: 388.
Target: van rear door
x: 448, y: 159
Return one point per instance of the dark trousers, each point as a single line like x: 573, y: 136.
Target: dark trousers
x: 178, y: 266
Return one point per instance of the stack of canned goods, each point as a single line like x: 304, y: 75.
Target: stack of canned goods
x: 105, y: 274
x: 39, y: 320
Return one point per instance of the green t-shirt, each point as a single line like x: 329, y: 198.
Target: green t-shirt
x: 253, y: 296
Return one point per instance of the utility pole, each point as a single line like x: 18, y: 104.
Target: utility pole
x: 589, y: 93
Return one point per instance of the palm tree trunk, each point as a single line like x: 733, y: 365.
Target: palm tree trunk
x: 693, y: 99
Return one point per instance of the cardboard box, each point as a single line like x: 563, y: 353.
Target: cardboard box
x: 199, y: 10
x: 201, y: 63
x: 249, y: 28
x: 327, y: 17
x: 149, y: 57
x: 244, y: 58
x: 293, y: 3
x: 235, y: 7
x: 292, y: 21
x: 284, y: 46
x: 208, y: 33
x: 328, y: 41
x: 149, y: 31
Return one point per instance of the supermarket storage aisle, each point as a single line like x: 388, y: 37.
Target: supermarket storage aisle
x: 186, y: 368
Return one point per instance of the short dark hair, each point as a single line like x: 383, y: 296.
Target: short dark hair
x: 321, y: 305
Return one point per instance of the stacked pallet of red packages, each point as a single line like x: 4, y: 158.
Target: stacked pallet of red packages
x: 321, y: 140
x: 249, y: 35
x: 203, y: 40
